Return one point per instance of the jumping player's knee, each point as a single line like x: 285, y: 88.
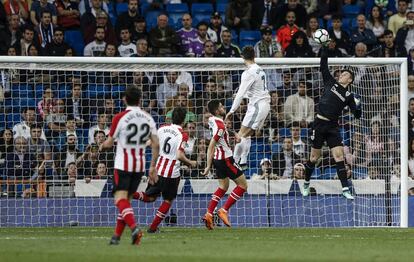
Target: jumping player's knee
x: 241, y: 182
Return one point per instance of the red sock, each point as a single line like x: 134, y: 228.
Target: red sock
x: 161, y: 213
x: 127, y: 212
x: 215, y: 198
x: 235, y: 195
x: 141, y: 196
x: 120, y: 225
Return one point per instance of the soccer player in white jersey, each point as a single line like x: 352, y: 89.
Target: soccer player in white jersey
x: 219, y: 153
x: 131, y: 129
x: 173, y: 140
x: 253, y: 86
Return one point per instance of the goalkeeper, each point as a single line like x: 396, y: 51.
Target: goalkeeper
x: 335, y: 98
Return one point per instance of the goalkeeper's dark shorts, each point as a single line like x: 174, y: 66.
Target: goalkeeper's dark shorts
x: 167, y: 187
x: 325, y: 131
x: 126, y: 181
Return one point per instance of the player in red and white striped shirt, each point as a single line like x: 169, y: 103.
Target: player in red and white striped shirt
x: 173, y: 140
x: 220, y: 153
x: 131, y: 129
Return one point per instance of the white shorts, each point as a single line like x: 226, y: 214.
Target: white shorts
x: 256, y: 114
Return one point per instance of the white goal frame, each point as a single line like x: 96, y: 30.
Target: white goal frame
x: 166, y: 64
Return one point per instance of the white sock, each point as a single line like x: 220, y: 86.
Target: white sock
x: 238, y: 149
x: 246, y: 150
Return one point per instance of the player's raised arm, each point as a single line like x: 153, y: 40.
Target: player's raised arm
x: 326, y: 75
x: 246, y: 81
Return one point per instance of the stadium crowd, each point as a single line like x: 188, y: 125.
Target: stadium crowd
x: 53, y: 122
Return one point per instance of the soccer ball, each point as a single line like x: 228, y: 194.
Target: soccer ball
x: 321, y: 36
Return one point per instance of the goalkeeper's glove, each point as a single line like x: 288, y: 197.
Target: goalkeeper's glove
x: 357, y: 100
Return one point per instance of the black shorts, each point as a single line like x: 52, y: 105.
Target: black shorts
x: 126, y: 181
x: 227, y: 168
x: 167, y: 187
x: 325, y: 131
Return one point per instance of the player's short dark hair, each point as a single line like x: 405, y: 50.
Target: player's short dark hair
x: 212, y: 106
x: 178, y: 115
x: 351, y: 73
x: 248, y: 52
x: 132, y: 96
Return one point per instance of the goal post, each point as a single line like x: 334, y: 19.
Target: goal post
x: 272, y: 199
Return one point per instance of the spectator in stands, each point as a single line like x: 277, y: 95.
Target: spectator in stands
x: 377, y: 145
x: 196, y: 46
x: 361, y: 50
x: 98, y: 137
x: 17, y: 7
x: 355, y: 152
x: 361, y: 34
x: 209, y: 49
x: 68, y: 14
x: 88, y: 161
x: 190, y: 129
x: 6, y: 146
x: 283, y: 162
x: 33, y: 51
x: 300, y: 145
x: 44, y: 169
x: 238, y: 15
x: 411, y: 85
x: 20, y: 163
x: 372, y: 173
x: 27, y: 39
x: 183, y: 91
x: 181, y: 101
x: 77, y: 106
x: 264, y: 14
x: 201, y: 157
x: 396, y: 21
x: 101, y: 172
x: 265, y: 170
x: 299, y: 46
x: 311, y: 26
x: 388, y: 47
x: 163, y: 38
x: 126, y: 19
x: 299, y: 107
x: 267, y: 47
x: 405, y: 35
x: 126, y: 48
x: 341, y: 37
x: 71, y: 173
x: 10, y: 35
x: 101, y: 125
x: 57, y: 47
x: 411, y: 158
x: 70, y: 131
x: 333, y: 50
x: 110, y: 51
x: 215, y: 28
x: 11, y: 51
x: 203, y: 130
x: 376, y: 22
x: 56, y: 121
x: 68, y: 154
x: 45, y: 106
x: 187, y: 33
x: 90, y: 16
x: 142, y: 48
x: 89, y: 6
x: 298, y: 10
x: 37, y: 145
x: 70, y: 52
x: 41, y: 6
x: 410, y: 117
x: 285, y: 32
x: 329, y: 8
x: 109, y: 105
x: 287, y: 88
x: 96, y: 47
x: 139, y: 30
x: 276, y: 112
x: 167, y: 89
x: 23, y: 128
x: 298, y: 171
x: 227, y: 48
x: 101, y: 21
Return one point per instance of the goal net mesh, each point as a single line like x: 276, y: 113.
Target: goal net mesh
x: 57, y: 177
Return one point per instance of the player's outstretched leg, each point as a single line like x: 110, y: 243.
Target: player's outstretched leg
x: 124, y: 207
x: 235, y: 195
x: 161, y: 213
x: 142, y: 196
x: 215, y: 199
x: 309, y: 167
x: 119, y: 229
x: 341, y: 170
x: 242, y: 150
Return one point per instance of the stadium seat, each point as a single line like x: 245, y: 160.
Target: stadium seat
x: 177, y: 8
x: 283, y: 132
x: 328, y: 173
x: 351, y: 11
x: 97, y: 91
x: 146, y: 7
x: 13, y: 119
x: 221, y: 8
x: 346, y: 24
x: 202, y: 17
x: 174, y: 20
x: 22, y: 90
x: 304, y: 132
x: 75, y: 40
x: 23, y: 102
x: 200, y: 8
x: 121, y: 8
x: 117, y: 91
x: 249, y: 38
x: 276, y: 147
x: 151, y: 18
x: 234, y: 37
x: 2, y: 121
x: 359, y: 173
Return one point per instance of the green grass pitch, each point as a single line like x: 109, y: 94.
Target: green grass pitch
x: 198, y: 244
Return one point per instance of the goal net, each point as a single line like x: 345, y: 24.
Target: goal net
x: 56, y: 111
